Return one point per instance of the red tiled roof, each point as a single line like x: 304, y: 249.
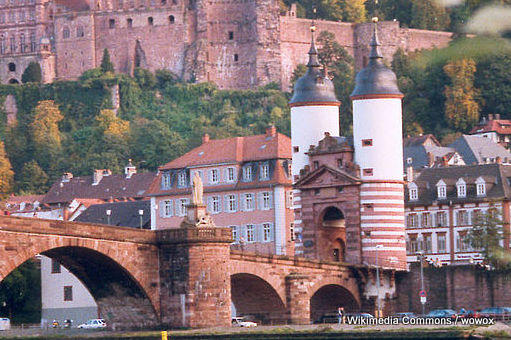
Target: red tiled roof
x: 113, y: 186
x: 428, y: 139
x: 236, y: 149
x: 500, y: 126
x: 25, y: 199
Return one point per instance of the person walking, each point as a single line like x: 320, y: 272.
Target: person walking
x: 340, y: 314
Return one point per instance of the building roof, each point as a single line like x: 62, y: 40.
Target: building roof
x: 428, y: 139
x: 235, y: 150
x: 375, y: 78
x: 423, y: 156
x: 500, y: 126
x: 496, y: 176
x: 123, y: 214
x: 23, y: 203
x: 110, y: 187
x: 476, y: 150
x: 314, y: 86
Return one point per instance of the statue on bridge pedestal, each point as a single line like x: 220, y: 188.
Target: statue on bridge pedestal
x: 197, y: 190
x: 197, y: 215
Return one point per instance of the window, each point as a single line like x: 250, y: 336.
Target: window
x: 247, y: 173
x: 21, y: 16
x: 368, y: 172
x: 68, y: 293
x: 414, y: 245
x: 339, y: 163
x: 215, y: 204
x: 2, y: 18
x: 266, y: 201
x: 171, y: 19
x: 79, y: 32
x: 412, y: 221
x: 167, y: 208
x: 231, y: 203
x: 426, y: 220
x: 55, y: 267
x: 367, y: 142
x: 441, y: 243
x: 65, y: 33
x: 181, y: 179
x: 13, y: 50
x: 165, y: 181
x: 409, y: 160
x: 265, y: 172
x: 296, y: 148
x: 292, y: 231
x: 248, y: 202
x: 317, y: 191
x: 129, y: 22
x: 463, y: 242
x: 236, y: 58
x: 250, y: 233
x: 2, y: 45
x: 230, y: 175
x: 441, y: 191
x: 267, y: 232
x: 316, y: 165
x: 414, y: 194
x: 235, y: 236
x: 289, y: 199
x: 213, y: 176
x: 427, y: 243
x: 231, y: 35
x: 150, y: 21
x: 462, y: 217
x: 181, y: 209
x: 22, y: 43
x: 461, y: 187
x: 441, y: 219
x: 33, y: 43
x: 111, y: 23
x: 481, y: 187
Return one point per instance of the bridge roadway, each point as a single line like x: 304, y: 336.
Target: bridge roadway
x: 181, y: 277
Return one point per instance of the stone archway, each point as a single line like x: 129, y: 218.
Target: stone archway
x: 252, y: 296
x: 328, y: 298
x: 332, y: 234
x: 13, y: 81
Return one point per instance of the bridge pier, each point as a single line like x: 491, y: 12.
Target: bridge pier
x: 298, y: 299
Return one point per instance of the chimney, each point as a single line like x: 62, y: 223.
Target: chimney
x: 431, y: 159
x: 498, y: 160
x: 67, y: 177
x: 205, y: 138
x: 490, y: 116
x: 130, y: 170
x: 271, y: 131
x: 444, y: 161
x: 98, y: 175
x: 66, y: 214
x: 497, y: 116
x: 327, y: 134
x: 409, y: 174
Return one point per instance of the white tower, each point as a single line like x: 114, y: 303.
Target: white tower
x: 314, y: 110
x: 378, y: 142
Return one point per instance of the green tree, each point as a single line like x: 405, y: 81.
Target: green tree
x: 427, y: 14
x: 486, y: 235
x: 461, y: 108
x: 32, y: 73
x: 6, y: 173
x: 106, y: 64
x: 492, y: 79
x: 32, y: 179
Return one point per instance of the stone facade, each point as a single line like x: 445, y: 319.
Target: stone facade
x: 234, y: 44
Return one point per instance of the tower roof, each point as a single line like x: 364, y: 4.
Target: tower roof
x: 375, y: 78
x: 314, y: 86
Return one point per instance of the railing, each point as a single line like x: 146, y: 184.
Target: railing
x: 195, y: 235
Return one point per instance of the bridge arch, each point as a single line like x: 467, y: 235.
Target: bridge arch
x: 110, y: 271
x: 254, y: 296
x: 330, y: 293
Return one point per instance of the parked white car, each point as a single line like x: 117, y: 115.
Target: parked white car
x: 93, y: 324
x: 5, y: 324
x: 241, y: 322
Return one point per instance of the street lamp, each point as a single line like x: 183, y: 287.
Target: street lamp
x: 423, y: 301
x: 108, y: 213
x: 378, y: 246
x: 141, y: 213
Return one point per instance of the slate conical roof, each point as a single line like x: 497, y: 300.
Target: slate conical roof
x: 375, y: 78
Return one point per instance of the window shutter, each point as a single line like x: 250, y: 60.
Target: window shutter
x: 161, y: 206
x: 171, y: 208
x: 226, y: 203
x: 226, y: 174
x: 272, y: 233
x: 271, y: 199
x: 242, y: 202
x: 235, y: 203
x: 259, y: 199
x: 220, y: 204
x: 210, y: 204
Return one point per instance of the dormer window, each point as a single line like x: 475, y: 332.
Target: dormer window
x: 181, y: 179
x: 213, y: 176
x: 481, y: 187
x: 441, y: 188
x: 165, y: 181
x: 265, y: 172
x: 230, y: 174
x: 247, y: 173
x: 413, y: 192
x: 461, y: 187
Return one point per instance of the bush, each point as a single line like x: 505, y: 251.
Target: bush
x: 32, y: 73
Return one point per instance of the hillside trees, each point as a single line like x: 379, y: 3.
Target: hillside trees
x: 6, y: 173
x: 32, y: 179
x: 32, y: 73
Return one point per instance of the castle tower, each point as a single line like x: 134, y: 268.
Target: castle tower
x: 378, y: 142
x: 314, y: 110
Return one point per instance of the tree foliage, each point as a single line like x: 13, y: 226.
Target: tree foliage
x: 6, y: 173
x: 461, y: 108
x: 32, y: 179
x: 487, y: 234
x: 32, y: 73
x: 106, y: 64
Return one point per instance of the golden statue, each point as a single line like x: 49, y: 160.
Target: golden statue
x: 197, y: 189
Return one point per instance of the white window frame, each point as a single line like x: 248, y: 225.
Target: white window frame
x: 235, y: 234
x: 461, y: 188
x: 264, y: 172
x: 441, y: 239
x: 441, y: 221
x: 166, y: 181
x: 247, y: 173
x: 167, y: 208
x: 251, y: 233
x: 266, y: 200
x: 214, y: 176
x: 441, y: 191
x: 181, y: 206
x: 481, y: 187
x: 266, y: 230
x: 413, y: 192
x: 216, y: 204
x: 247, y: 200
x: 228, y: 174
x: 181, y: 179
x: 231, y: 203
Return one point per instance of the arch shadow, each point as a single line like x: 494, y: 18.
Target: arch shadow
x: 328, y: 298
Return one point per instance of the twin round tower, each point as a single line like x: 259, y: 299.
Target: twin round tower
x: 378, y: 147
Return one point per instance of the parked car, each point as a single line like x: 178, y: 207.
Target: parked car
x: 361, y: 315
x: 242, y: 322
x: 441, y: 313
x: 5, y: 324
x: 93, y: 324
x: 403, y: 315
x: 328, y: 318
x: 469, y: 314
x: 497, y: 312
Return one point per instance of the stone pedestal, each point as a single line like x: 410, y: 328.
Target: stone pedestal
x: 298, y: 300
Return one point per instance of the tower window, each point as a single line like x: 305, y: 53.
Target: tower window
x: 163, y: 2
x: 111, y: 23
x: 236, y: 57
x: 171, y: 19
x: 231, y: 35
x: 129, y: 23
x: 368, y: 172
x: 368, y: 207
x: 296, y: 148
x: 339, y: 163
x: 316, y: 164
x: 367, y: 142
x: 150, y: 21
x: 12, y: 67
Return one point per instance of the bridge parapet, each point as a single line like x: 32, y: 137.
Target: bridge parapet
x: 195, y: 235
x: 76, y: 229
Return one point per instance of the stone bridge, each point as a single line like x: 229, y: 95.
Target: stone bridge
x: 185, y: 277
